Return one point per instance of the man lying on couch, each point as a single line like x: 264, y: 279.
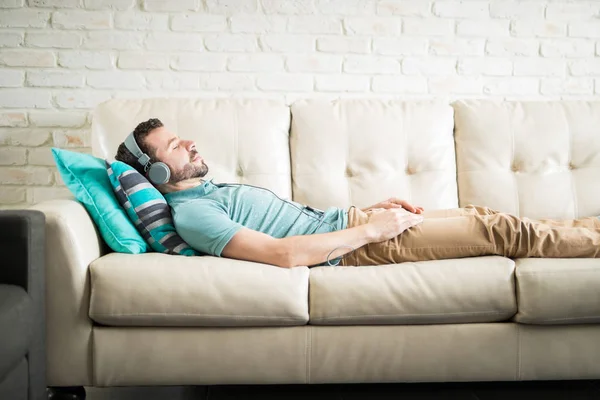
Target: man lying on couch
x: 251, y: 223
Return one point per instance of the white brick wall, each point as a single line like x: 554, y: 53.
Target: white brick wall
x: 60, y: 58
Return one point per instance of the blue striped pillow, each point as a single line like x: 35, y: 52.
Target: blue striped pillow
x: 147, y: 208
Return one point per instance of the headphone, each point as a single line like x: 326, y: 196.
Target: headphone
x: 158, y: 172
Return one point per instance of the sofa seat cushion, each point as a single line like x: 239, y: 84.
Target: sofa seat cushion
x: 16, y: 326
x: 464, y: 290
x: 167, y: 290
x: 558, y: 291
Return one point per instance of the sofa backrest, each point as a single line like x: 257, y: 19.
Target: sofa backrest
x: 242, y: 141
x: 359, y: 152
x: 533, y: 159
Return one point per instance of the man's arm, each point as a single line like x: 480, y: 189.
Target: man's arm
x: 294, y: 251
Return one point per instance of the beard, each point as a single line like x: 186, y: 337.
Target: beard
x: 189, y: 171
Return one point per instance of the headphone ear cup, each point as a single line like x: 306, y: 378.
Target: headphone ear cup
x: 159, y: 173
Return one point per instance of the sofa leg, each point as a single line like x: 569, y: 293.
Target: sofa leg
x: 66, y: 393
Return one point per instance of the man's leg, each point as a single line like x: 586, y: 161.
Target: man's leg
x: 485, y: 232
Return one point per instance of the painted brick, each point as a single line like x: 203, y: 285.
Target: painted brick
x: 27, y: 58
x: 567, y: 48
x: 227, y: 82
x: 399, y: 84
x: 24, y: 137
x: 13, y: 156
x: 342, y: 83
x: 287, y: 43
x: 64, y: 40
x: 344, y: 45
x: 585, y: 67
x: 13, y: 119
x: 199, y: 62
x: 491, y: 66
x: 461, y: 9
x: 314, y: 24
x: 538, y: 28
x: 456, y: 47
x: 557, y: 86
x: 109, y: 4
x: 167, y: 41
x: 80, y: 99
x: 429, y: 66
x: 486, y: 28
x: 143, y: 61
x: 231, y: 7
x: 25, y: 98
x: 58, y: 119
x: 55, y: 79
x: 285, y: 82
x: 585, y: 29
x: 54, y: 3
x: 24, y: 18
x: 171, y: 5
x: 572, y: 11
x: 512, y: 47
x: 520, y: 10
x: 448, y: 85
x: 115, y: 80
x: 427, y: 26
x: 11, y: 39
x: 400, y: 46
x: 539, y: 67
x: 372, y: 26
x: 136, y: 21
x: 41, y: 156
x: 346, y: 7
x: 12, y: 195
x: 27, y: 175
x: 11, y: 78
x: 199, y: 23
x: 255, y: 62
x: 85, y: 59
x: 172, y: 81
x: 258, y: 23
x: 511, y: 86
x: 81, y: 19
x: 314, y: 63
x: 290, y: 7
x: 39, y: 194
x: 113, y: 40
x: 371, y: 64
x: 405, y: 8
x: 234, y: 43
x: 11, y: 3
x: 71, y: 138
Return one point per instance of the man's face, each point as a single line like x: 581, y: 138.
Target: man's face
x: 180, y: 155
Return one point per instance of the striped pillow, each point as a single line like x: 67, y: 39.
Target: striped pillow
x: 147, y: 209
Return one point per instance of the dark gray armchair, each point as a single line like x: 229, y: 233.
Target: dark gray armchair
x: 22, y: 299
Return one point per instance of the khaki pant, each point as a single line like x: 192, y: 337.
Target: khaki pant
x: 478, y: 231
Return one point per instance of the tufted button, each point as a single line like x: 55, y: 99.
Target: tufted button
x: 239, y: 171
x: 409, y: 171
x: 515, y: 168
x: 349, y: 172
x: 571, y: 166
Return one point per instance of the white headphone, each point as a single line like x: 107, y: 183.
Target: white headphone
x: 158, y: 172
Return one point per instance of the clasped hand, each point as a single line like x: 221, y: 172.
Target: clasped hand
x: 394, y: 202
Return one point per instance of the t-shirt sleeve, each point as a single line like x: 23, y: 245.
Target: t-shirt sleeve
x: 205, y: 226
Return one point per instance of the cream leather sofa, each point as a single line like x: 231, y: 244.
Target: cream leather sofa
x: 154, y: 319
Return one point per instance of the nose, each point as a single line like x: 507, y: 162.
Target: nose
x: 190, y: 145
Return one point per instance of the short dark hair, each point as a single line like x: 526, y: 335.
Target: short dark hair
x: 139, y: 133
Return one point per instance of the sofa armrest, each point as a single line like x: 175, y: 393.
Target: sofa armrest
x: 72, y: 243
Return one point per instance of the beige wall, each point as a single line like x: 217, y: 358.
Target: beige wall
x: 59, y: 58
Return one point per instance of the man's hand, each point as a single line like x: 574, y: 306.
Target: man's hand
x: 394, y: 202
x: 386, y: 224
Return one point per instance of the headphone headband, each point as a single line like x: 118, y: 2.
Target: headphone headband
x: 133, y: 147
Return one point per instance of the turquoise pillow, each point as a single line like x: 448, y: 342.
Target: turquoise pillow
x: 147, y: 209
x: 85, y: 176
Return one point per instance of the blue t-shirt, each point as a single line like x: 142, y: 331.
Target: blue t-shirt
x: 207, y: 216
